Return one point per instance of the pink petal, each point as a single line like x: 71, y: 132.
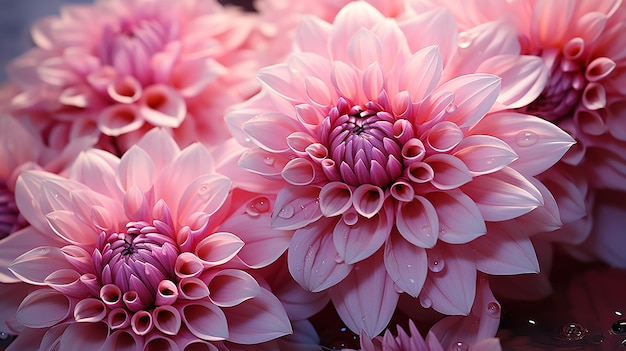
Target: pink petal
x: 271, y: 130
x: 317, y: 91
x: 474, y: 94
x: 417, y: 222
x: 218, y: 248
x: 12, y: 135
x: 68, y: 227
x: 135, y: 168
x: 538, y: 143
x: 484, y: 154
x: 123, y: 340
x: 345, y: 79
x: 96, y: 169
x: 231, y: 287
x: 451, y: 291
x: 357, y: 241
x: 124, y: 90
x: 162, y: 106
x: 119, y: 119
x: 368, y: 199
x: 295, y: 207
x: 35, y: 265
x: 501, y: 253
x: 119, y: 318
x: 460, y: 220
x: 167, y: 293
x: 594, y: 96
x: 205, y: 194
x: 311, y: 35
x: 257, y: 320
x: 366, y: 299
x: 43, y: 308
x: 193, y: 76
x: 298, y: 171
x: 350, y: 19
x: 550, y: 22
x: 421, y: 73
x: 406, y: 264
x: 313, y: 259
x: 160, y: 146
x: 440, y: 25
x: 335, y: 199
x: 205, y: 320
x: 364, y: 49
x: 84, y: 336
x: 261, y: 162
x: 449, y: 171
x: 444, y: 136
x: 90, y: 310
x: 503, y: 195
x: 523, y: 78
x: 191, y: 288
x: 167, y: 319
x: 277, y: 79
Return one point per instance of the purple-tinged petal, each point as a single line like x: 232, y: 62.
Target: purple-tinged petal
x: 484, y: 154
x: 368, y: 199
x: 123, y: 340
x: 167, y: 319
x: 90, y: 310
x: 366, y: 299
x: 538, y: 143
x: 257, y: 320
x: 231, y: 287
x: 451, y: 286
x: 503, y: 253
x: 460, y: 220
x: 503, y: 195
x: 417, y: 222
x: 84, y: 336
x: 205, y: 320
x: 43, y: 308
x: 35, y: 265
x: 295, y: 207
x: 312, y: 258
x: 118, y: 318
x: 406, y: 264
x: 192, y: 289
x: 357, y: 241
x: 335, y: 199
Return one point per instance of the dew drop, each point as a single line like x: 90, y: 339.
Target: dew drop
x: 298, y: 267
x: 338, y: 258
x: 411, y: 280
x: 465, y: 40
x: 619, y: 327
x: 269, y: 160
x: 451, y: 108
x: 573, y: 331
x: 44, y: 250
x: 436, y: 264
x: 426, y: 302
x: 426, y: 230
x: 493, y: 308
x: 286, y: 212
x: 248, y: 140
x: 363, y: 318
x: 56, y: 195
x: 459, y: 346
x: 526, y: 138
x: 258, y: 206
x: 4, y: 336
x: 397, y: 288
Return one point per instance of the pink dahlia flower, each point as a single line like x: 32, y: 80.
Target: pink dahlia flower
x: 117, y: 68
x: 390, y: 175
x: 142, y: 253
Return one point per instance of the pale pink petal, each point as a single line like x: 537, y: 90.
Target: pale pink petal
x: 18, y: 243
x: 474, y: 94
x: 270, y: 131
x: 295, y: 207
x: 205, y: 320
x: 550, y: 23
x: 68, y: 227
x: 449, y: 171
x: 317, y: 91
x: 335, y: 199
x: 349, y: 21
x: 218, y: 248
x: 135, y: 169
x: 231, y: 287
x: 191, y: 289
x: 366, y: 299
x: 35, y: 265
x: 364, y: 49
x: 440, y: 25
x: 313, y: 260
x: 90, y: 310
x: 417, y: 222
x: 357, y: 241
x: 311, y: 35
x: 161, y: 147
x: 84, y: 336
x: 119, y: 119
x: 460, y: 220
x: 368, y: 199
x: 43, y: 308
x: 162, y: 106
x: 503, y: 195
x: 298, y: 172
x: 261, y: 162
x: 14, y: 134
x: 277, y: 78
x: 345, y: 79
x: 193, y: 76
x: 257, y: 320
x: 484, y: 154
x: 444, y: 136
x: 373, y: 81
x: 96, y: 169
x: 538, y: 143
x: 125, y: 90
x: 451, y: 288
x: 501, y: 253
x: 205, y: 194
x: 406, y: 264
x: 421, y: 72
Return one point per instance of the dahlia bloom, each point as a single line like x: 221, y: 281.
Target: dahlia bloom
x: 393, y: 179
x: 142, y: 252
x: 117, y: 68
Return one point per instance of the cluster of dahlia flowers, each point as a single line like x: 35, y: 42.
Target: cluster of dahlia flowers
x: 310, y: 175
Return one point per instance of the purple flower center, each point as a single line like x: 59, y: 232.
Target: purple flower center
x: 137, y: 260
x: 361, y: 144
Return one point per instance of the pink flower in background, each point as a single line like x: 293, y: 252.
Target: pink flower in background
x: 142, y: 252
x: 117, y: 68
x: 389, y: 172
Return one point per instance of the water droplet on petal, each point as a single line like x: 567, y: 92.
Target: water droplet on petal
x: 44, y: 250
x: 526, y: 138
x: 4, y: 336
x: 464, y: 40
x: 436, y: 264
x: 269, y: 160
x: 338, y: 258
x: 363, y: 318
x: 451, y: 108
x: 258, y: 206
x: 426, y: 302
x: 397, y: 288
x: 619, y: 327
x: 248, y: 140
x: 493, y: 308
x: 459, y: 346
x: 286, y: 212
x: 298, y: 267
x: 573, y: 331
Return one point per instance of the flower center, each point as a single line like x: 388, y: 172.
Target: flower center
x: 137, y: 260
x: 563, y: 91
x: 361, y: 144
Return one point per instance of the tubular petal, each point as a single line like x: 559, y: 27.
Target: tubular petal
x: 231, y: 287
x: 218, y: 248
x: 205, y: 320
x: 449, y: 171
x: 90, y: 310
x: 368, y: 199
x: 162, y: 106
x: 141, y: 322
x: 167, y: 319
x: 192, y: 289
x: 335, y: 199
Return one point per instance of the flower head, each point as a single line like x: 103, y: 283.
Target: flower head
x: 137, y: 252
x: 115, y: 69
x: 388, y: 170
